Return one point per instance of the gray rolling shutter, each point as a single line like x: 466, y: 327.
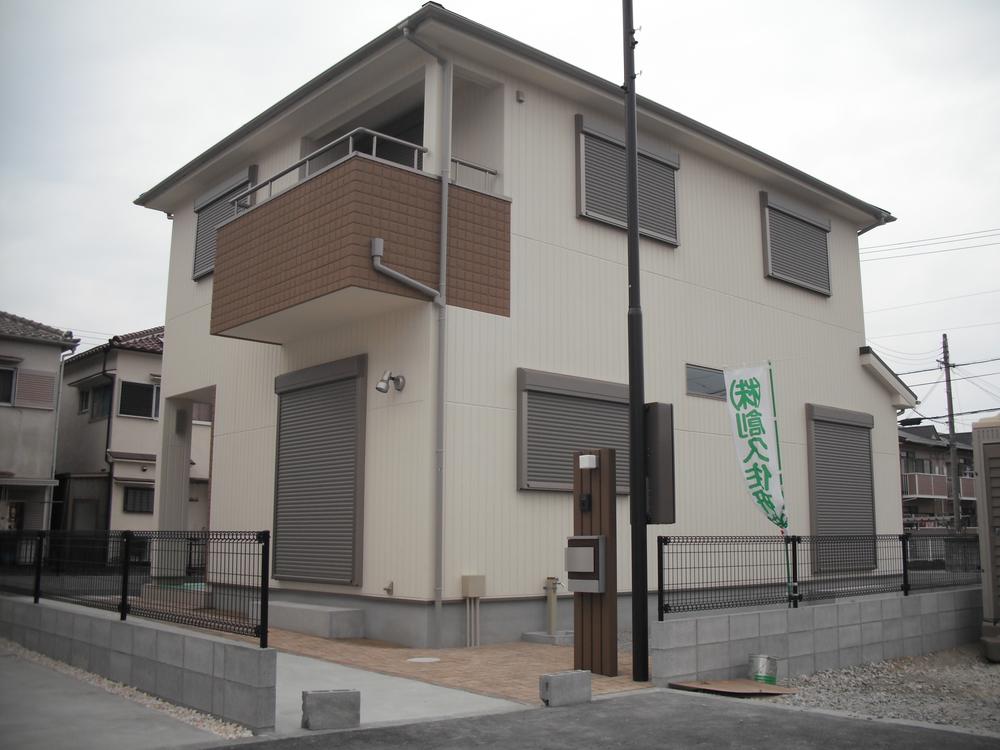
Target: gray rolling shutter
x: 797, y: 251
x: 209, y: 218
x: 35, y: 389
x: 844, y: 503
x: 558, y: 425
x: 604, y: 189
x: 316, y: 490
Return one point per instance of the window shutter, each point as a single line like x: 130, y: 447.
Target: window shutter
x: 797, y: 251
x: 35, y: 389
x: 209, y: 218
x: 558, y: 425
x: 317, y: 507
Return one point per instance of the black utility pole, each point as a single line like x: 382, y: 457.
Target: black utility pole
x: 636, y: 386
x: 956, y: 488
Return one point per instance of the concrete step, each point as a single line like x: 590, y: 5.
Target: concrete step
x: 317, y: 619
x: 992, y: 646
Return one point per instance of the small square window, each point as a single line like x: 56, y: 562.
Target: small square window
x: 138, y: 500
x: 7, y: 385
x: 139, y: 400
x: 706, y: 382
x: 84, y: 402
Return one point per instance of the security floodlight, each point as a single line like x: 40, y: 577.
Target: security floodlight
x: 398, y: 382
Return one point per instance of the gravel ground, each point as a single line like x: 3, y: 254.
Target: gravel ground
x: 197, y: 719
x: 957, y: 687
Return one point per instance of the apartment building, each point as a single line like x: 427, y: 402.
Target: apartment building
x: 403, y: 288
x: 30, y: 364
x: 109, y: 437
x: 925, y: 473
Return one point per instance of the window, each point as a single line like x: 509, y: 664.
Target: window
x: 7, y: 385
x: 601, y: 185
x: 84, y: 402
x: 559, y: 414
x: 841, y: 486
x: 202, y: 412
x: 100, y: 402
x: 139, y: 400
x: 138, y: 500
x: 211, y: 209
x: 795, y: 246
x: 705, y: 381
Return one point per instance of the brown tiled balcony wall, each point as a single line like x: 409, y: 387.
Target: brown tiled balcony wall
x: 315, y: 239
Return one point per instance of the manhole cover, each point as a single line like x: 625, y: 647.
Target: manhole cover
x: 424, y: 659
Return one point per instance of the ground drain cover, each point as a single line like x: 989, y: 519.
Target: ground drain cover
x: 424, y: 659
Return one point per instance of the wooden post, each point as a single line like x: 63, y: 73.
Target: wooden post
x: 595, y: 616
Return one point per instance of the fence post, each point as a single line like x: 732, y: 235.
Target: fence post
x: 659, y: 578
x: 264, y: 537
x: 39, y: 548
x: 125, y: 554
x: 904, y: 540
x: 794, y: 593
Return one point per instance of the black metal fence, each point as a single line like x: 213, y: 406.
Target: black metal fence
x: 719, y: 572
x: 216, y: 580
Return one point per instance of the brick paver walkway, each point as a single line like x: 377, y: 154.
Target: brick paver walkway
x: 506, y: 670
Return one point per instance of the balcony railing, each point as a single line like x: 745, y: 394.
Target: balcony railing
x: 935, y: 485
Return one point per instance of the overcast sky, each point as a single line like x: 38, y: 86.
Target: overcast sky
x: 896, y: 102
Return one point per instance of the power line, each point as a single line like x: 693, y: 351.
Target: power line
x: 958, y: 413
x: 935, y: 330
x: 964, y: 364
x: 929, y: 252
x: 926, y: 244
x: 967, y: 377
x: 932, y: 301
x: 926, y: 239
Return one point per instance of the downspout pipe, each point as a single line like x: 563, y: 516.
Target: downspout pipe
x: 50, y: 491
x: 444, y: 159
x: 378, y: 250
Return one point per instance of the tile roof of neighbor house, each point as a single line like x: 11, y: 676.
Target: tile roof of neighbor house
x: 928, y: 435
x: 148, y: 340
x: 432, y: 11
x: 15, y: 327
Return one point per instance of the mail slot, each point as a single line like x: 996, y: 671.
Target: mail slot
x: 585, y: 564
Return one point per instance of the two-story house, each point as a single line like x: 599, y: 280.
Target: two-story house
x: 109, y: 437
x: 404, y: 289
x: 30, y: 364
x: 925, y: 472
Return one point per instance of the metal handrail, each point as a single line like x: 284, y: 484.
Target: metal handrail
x: 304, y: 161
x: 473, y: 165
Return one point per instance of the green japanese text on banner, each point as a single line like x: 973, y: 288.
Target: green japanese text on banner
x: 750, y: 402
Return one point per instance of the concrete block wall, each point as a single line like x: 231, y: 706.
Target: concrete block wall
x: 814, y: 637
x: 232, y: 680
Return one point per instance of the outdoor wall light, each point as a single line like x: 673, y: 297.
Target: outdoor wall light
x: 398, y: 382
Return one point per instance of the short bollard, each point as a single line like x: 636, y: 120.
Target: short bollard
x: 565, y: 688
x: 331, y: 709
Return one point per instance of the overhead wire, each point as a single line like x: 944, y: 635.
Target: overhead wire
x: 932, y: 301
x: 936, y: 330
x: 930, y: 252
x: 926, y: 239
x: 869, y: 251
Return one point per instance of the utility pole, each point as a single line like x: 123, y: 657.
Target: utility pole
x: 956, y: 489
x: 636, y: 386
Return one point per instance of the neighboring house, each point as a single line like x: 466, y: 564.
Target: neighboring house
x: 30, y: 363
x: 925, y: 469
x: 391, y: 462
x: 109, y: 436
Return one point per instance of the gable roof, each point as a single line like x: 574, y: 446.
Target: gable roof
x: 432, y: 11
x: 23, y: 329
x: 149, y: 340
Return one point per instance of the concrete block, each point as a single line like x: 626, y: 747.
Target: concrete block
x: 946, y: 601
x: 825, y: 616
x: 144, y: 642
x: 871, y: 610
x: 317, y: 619
x: 949, y: 638
x: 929, y: 603
x: 79, y: 655
x: 911, y: 605
x: 170, y: 648
x: 965, y: 598
x: 848, y: 613
x: 64, y: 624
x: 782, y: 670
x: 170, y: 682
x: 825, y: 660
x: 31, y: 616
x: 930, y: 623
x: 17, y: 633
x: 198, y: 654
x: 801, y: 665
x: 744, y: 626
x: 121, y: 637
x: 892, y: 608
x: 849, y: 635
x: 713, y: 629
x: 871, y: 653
x: 871, y: 632
x: 81, y: 628
x: 251, y: 706
x: 558, y: 638
x: 774, y: 622
x: 49, y: 617
x: 740, y: 651
x: 892, y: 630
x: 913, y: 646
x: 775, y: 645
x: 61, y: 648
x: 912, y: 626
x: 341, y: 709
x: 669, y: 663
x: 100, y: 633
x: 931, y: 642
x: 250, y: 666
x: 849, y: 657
x: 801, y: 619
x: 144, y: 674
x: 197, y: 690
x: 948, y: 619
x: 713, y: 656
x: 100, y: 660
x: 31, y: 637
x: 801, y: 644
x: 675, y: 633
x: 119, y: 667
x: 892, y: 649
x: 826, y: 639
x: 219, y: 660
x: 219, y: 697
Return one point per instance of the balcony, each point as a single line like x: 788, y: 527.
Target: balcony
x: 936, y: 486
x: 295, y: 262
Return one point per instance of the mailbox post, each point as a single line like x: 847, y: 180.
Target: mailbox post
x: 591, y: 562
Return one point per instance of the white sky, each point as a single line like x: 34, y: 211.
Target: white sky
x: 896, y: 102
